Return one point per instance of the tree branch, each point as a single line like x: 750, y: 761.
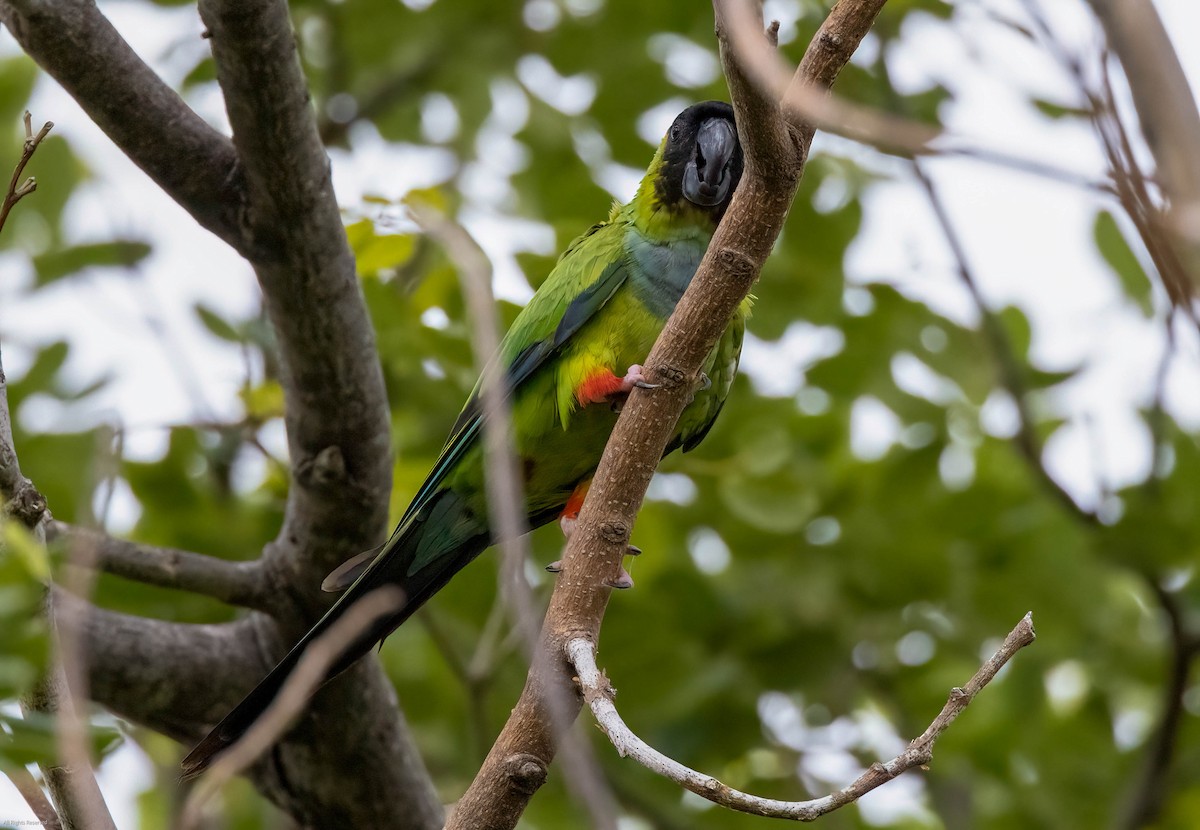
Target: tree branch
x: 79, y: 48
x: 292, y: 698
x: 1009, y: 368
x: 1150, y: 792
x: 740, y: 26
x: 17, y: 189
x: 506, y: 499
x: 352, y: 744
x: 337, y: 417
x: 775, y: 152
x: 235, y: 583
x: 71, y: 782
x: 172, y: 677
x: 1166, y: 108
x: 31, y: 791
x: 599, y: 694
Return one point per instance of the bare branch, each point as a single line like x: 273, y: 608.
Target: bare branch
x: 1166, y: 108
x: 599, y: 696
x: 71, y: 782
x: 506, y: 500
x: 32, y: 792
x: 292, y: 698
x: 237, y: 583
x: 775, y: 153
x: 1010, y: 370
x: 79, y: 578
x: 506, y: 493
x: 1153, y: 220
x: 337, y: 419
x: 739, y: 26
x: 1152, y: 785
x: 352, y: 743
x: 147, y: 119
x: 172, y: 677
x: 1032, y: 166
x: 18, y: 189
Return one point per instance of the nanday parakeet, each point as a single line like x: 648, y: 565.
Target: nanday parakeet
x: 599, y: 312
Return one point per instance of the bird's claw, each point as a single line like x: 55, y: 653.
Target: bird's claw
x: 705, y: 382
x: 634, y: 377
x: 622, y: 582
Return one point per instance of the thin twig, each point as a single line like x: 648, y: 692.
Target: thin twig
x: 1034, y: 167
x: 599, y: 696
x: 232, y: 582
x: 1150, y: 792
x: 292, y: 698
x: 70, y: 779
x: 803, y: 101
x: 506, y: 498
x: 34, y: 796
x: 17, y: 189
x: 887, y: 132
x: 78, y: 577
x: 1131, y: 182
x: 1010, y: 369
x: 1167, y: 110
x: 1147, y: 213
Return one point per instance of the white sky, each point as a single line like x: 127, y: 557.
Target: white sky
x: 1028, y: 240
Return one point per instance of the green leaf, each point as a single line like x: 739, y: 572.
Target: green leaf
x: 1056, y: 111
x: 1020, y: 333
x: 121, y: 253
x: 384, y: 253
x: 1040, y: 379
x: 264, y: 401
x: 33, y: 739
x: 202, y: 73
x: 217, y: 324
x: 1124, y: 262
x: 21, y: 545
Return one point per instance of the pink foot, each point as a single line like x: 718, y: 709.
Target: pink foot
x: 634, y: 377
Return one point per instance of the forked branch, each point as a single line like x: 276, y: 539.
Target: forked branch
x: 17, y: 189
x: 775, y: 145
x: 233, y: 582
x: 599, y: 696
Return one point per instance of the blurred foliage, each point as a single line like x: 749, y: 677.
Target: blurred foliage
x: 803, y: 602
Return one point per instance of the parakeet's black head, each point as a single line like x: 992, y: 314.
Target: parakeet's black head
x: 701, y: 161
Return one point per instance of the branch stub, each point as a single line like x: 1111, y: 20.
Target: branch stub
x: 525, y: 772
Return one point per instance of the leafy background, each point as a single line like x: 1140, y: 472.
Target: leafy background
x: 852, y: 538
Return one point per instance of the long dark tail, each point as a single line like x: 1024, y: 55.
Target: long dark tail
x: 389, y: 568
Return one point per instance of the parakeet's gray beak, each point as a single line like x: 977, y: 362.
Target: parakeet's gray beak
x: 706, y: 179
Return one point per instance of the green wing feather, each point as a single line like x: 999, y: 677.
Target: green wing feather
x: 585, y: 278
x: 720, y: 367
